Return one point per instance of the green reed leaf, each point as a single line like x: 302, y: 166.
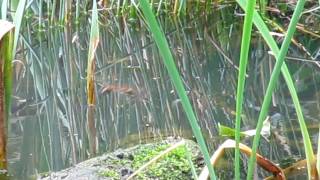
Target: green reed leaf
x: 17, y: 19
x: 275, y: 50
x: 168, y: 60
x: 245, y: 44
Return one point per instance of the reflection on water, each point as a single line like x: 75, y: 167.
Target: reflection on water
x: 136, y: 100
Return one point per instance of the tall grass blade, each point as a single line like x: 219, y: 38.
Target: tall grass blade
x: 178, y: 6
x: 262, y: 6
x: 175, y: 77
x: 191, y: 164
x: 6, y: 41
x: 245, y: 44
x: 273, y: 46
x: 68, y: 12
x: 17, y: 20
x: 4, y: 9
x: 182, y: 7
x: 175, y: 7
x: 77, y: 12
x: 94, y: 41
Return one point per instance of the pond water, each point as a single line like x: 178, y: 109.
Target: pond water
x: 136, y: 101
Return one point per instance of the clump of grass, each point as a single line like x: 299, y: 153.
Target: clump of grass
x: 109, y: 173
x: 173, y: 164
x: 161, y: 160
x: 142, y: 155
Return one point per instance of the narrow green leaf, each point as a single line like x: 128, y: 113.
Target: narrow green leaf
x: 228, y: 131
x: 175, y: 77
x: 273, y: 46
x: 17, y: 20
x: 245, y: 44
x: 262, y: 6
x: 4, y: 7
x: 191, y: 164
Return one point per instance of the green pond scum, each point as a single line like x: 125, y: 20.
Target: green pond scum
x: 174, y: 165
x: 121, y: 163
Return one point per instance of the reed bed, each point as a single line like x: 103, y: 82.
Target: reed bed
x: 148, y: 75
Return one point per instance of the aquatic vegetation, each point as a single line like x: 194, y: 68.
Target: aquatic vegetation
x: 91, y: 96
x: 123, y: 163
x: 245, y: 44
x: 109, y: 173
x: 9, y: 36
x: 159, y: 160
x: 174, y: 75
x: 281, y: 55
x: 93, y: 76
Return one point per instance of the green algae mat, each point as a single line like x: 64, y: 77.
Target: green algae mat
x: 122, y: 163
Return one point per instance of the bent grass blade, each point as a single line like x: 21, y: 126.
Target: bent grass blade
x: 262, y: 161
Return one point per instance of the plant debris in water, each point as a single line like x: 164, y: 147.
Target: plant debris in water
x: 122, y: 163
